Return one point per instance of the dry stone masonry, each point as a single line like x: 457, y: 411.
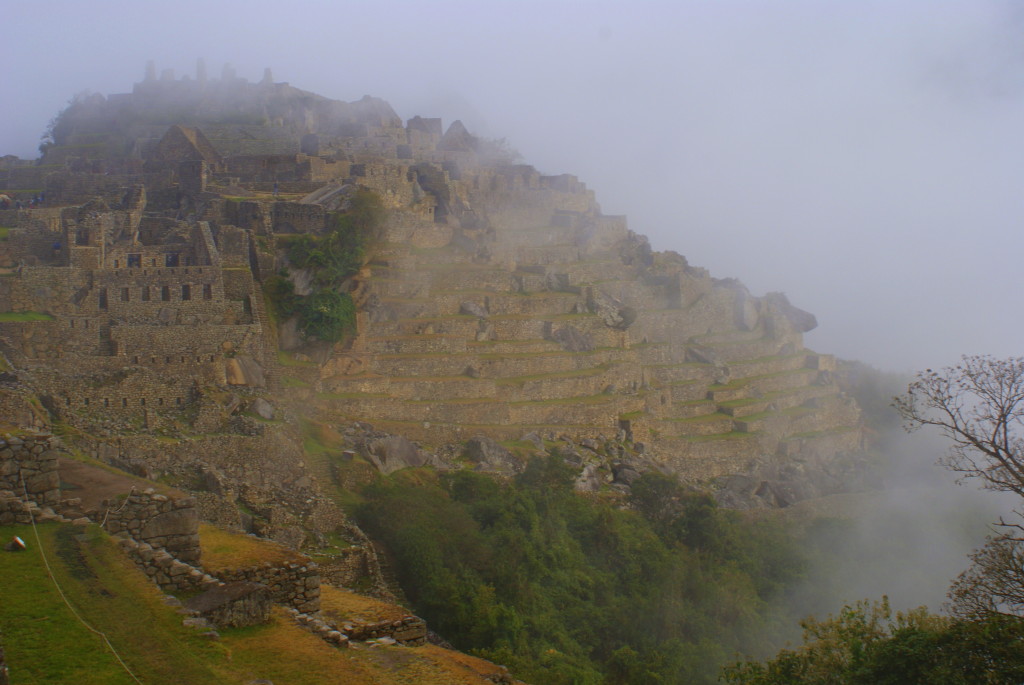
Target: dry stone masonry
x: 28, y: 462
x: 158, y: 521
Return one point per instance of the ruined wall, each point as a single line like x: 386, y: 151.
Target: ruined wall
x: 170, y: 524
x: 32, y: 458
x: 294, y: 217
x: 294, y: 585
x: 169, y: 573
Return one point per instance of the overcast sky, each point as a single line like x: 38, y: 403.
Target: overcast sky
x: 864, y: 157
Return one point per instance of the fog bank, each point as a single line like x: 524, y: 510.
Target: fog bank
x: 862, y: 157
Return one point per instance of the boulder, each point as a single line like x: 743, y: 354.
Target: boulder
x: 799, y: 319
x: 613, y: 312
x: 394, y: 452
x: 488, y: 455
x: 473, y: 309
x: 176, y: 522
x: 263, y: 408
x: 573, y: 340
x: 244, y: 370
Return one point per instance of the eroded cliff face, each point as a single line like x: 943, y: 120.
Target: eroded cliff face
x: 498, y: 304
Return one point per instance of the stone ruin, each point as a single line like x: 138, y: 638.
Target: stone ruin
x: 498, y: 302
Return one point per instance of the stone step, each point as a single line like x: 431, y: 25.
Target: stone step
x: 613, y: 379
x: 455, y: 387
x: 707, y: 424
x: 728, y: 393
x: 601, y: 410
x: 832, y: 440
x: 415, y: 344
x: 512, y: 346
x: 674, y: 373
x: 785, y: 380
x: 765, y: 365
x: 701, y: 458
x: 690, y: 409
x: 455, y: 326
x: 687, y: 391
x: 539, y: 304
x: 432, y: 434
x: 547, y: 254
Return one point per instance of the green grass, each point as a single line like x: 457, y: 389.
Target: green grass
x: 4, y: 232
x: 45, y: 643
x: 732, y: 435
x: 286, y: 359
x: 24, y: 316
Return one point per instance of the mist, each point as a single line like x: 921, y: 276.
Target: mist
x: 907, y: 541
x: 862, y: 157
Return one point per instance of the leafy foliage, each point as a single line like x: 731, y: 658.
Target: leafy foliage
x: 566, y: 589
x: 327, y: 313
x: 340, y: 252
x: 866, y: 644
x: 978, y: 405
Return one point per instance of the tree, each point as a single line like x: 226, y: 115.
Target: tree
x: 994, y: 584
x: 867, y: 644
x: 979, y: 406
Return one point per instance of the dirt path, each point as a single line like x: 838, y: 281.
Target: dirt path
x: 94, y: 484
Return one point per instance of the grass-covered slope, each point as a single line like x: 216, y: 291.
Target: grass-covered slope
x: 46, y: 644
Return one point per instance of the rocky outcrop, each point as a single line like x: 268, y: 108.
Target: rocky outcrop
x: 487, y: 455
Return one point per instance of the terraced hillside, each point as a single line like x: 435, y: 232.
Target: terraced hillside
x: 498, y: 301
x: 558, y: 320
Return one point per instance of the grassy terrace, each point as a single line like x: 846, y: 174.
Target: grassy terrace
x: 24, y: 316
x: 837, y: 430
x: 576, y: 373
x: 586, y: 399
x: 395, y: 425
x: 767, y: 397
x: 715, y: 416
x: 352, y: 396
x: 222, y: 550
x: 740, y: 382
x: 731, y: 435
x: 489, y: 356
x: 791, y: 412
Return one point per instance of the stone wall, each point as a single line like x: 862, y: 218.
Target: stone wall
x: 162, y: 522
x: 169, y: 573
x: 294, y: 585
x: 13, y: 509
x: 32, y: 458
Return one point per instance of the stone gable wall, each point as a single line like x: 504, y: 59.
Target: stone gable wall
x: 157, y: 520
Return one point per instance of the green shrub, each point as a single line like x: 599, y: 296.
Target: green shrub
x: 326, y: 315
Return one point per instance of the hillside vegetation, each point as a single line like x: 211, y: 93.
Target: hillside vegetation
x: 568, y: 589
